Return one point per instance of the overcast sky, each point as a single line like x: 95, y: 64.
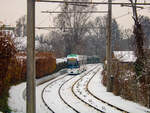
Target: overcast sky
x: 11, y: 10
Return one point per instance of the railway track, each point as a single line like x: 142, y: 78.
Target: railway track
x: 61, y: 88
x: 92, y: 95
x: 60, y: 91
x: 64, y: 99
x: 123, y: 111
x: 44, y: 90
x: 82, y: 99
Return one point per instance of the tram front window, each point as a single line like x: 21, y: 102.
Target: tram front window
x: 73, y: 64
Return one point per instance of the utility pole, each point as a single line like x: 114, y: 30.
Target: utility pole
x: 31, y: 104
x: 108, y: 47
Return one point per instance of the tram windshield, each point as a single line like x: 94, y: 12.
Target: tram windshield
x: 73, y: 64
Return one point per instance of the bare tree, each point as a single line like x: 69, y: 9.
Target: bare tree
x: 145, y: 21
x: 142, y: 63
x: 21, y: 26
x: 74, y: 24
x: 138, y: 32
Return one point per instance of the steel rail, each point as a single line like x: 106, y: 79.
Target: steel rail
x: 62, y: 97
x: 87, y: 89
x: 43, y: 93
x: 97, y: 97
x: 82, y: 99
x: 72, y: 90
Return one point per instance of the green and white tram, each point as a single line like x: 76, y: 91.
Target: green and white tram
x: 76, y: 64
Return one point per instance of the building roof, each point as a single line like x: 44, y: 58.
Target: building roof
x: 125, y: 56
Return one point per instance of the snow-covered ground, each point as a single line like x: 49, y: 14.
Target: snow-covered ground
x: 68, y: 96
x: 80, y: 89
x: 97, y: 88
x: 52, y: 98
x: 17, y: 95
x: 16, y: 101
x: 63, y: 85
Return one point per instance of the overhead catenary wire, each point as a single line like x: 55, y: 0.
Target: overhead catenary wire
x: 102, y: 3
x: 128, y: 13
x: 65, y: 28
x: 47, y: 16
x: 74, y: 12
x: 83, y: 12
x: 87, y: 27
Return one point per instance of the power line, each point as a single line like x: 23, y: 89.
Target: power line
x: 128, y: 13
x: 74, y: 12
x: 123, y: 5
x: 102, y: 3
x: 47, y: 16
x: 66, y: 28
x: 79, y: 5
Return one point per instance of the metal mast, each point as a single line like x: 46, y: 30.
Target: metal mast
x: 31, y: 104
x: 108, y: 46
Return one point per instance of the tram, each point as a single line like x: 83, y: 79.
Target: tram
x: 76, y: 64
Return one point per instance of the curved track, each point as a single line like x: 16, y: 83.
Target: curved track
x: 44, y: 90
x: 82, y: 96
x: 92, y: 97
x: 64, y: 99
x: 79, y: 101
x: 123, y: 111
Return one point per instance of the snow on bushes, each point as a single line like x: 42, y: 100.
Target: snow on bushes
x: 45, y: 63
x: 127, y: 84
x: 13, y: 67
x: 7, y: 50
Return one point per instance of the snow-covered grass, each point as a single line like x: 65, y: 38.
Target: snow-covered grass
x: 16, y: 100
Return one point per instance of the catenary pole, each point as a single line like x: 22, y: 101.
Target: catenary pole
x: 108, y: 46
x: 31, y: 106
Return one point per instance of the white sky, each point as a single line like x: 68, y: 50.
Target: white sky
x: 11, y: 10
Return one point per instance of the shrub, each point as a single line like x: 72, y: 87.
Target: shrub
x: 7, y: 50
x: 127, y: 83
x: 13, y: 67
